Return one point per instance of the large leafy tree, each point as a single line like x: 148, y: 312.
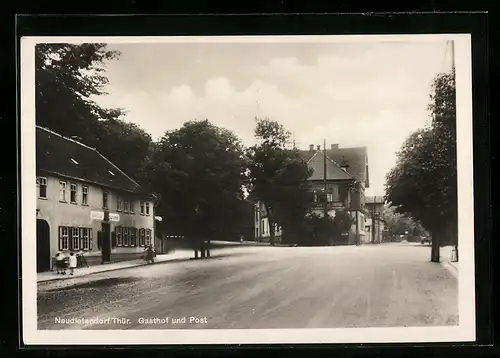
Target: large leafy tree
x: 68, y: 77
x: 423, y: 184
x: 199, y: 173
x: 278, y: 179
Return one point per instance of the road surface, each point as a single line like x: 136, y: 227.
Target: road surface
x: 384, y: 285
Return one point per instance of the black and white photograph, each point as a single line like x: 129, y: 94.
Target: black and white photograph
x: 247, y: 189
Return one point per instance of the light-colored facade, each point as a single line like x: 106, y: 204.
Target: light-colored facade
x: 75, y: 214
x: 262, y: 227
x: 79, y: 220
x: 375, y: 225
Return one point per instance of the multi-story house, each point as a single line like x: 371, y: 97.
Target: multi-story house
x: 86, y: 203
x: 339, y: 178
x: 375, y: 223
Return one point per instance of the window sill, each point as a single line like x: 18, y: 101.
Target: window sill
x: 63, y: 201
x: 85, y: 204
x: 42, y: 198
x: 74, y: 203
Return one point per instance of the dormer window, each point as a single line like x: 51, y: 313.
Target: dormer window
x: 73, y: 160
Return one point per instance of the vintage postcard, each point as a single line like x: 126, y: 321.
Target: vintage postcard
x: 247, y: 189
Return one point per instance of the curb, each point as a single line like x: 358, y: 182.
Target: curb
x: 108, y: 270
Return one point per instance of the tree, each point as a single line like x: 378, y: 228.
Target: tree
x: 278, y: 179
x: 342, y: 223
x: 67, y: 78
x: 397, y: 224
x: 199, y: 172
x: 133, y: 141
x: 423, y: 182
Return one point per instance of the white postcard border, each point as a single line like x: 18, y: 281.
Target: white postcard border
x: 465, y: 331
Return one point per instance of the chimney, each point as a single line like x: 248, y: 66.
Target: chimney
x: 311, y: 147
x: 334, y: 146
x: 319, y: 147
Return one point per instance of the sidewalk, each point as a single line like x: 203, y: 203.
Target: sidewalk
x: 446, y: 256
x: 84, y: 271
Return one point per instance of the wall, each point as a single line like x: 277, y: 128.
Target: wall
x: 58, y: 213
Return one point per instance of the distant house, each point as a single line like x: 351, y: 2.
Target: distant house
x: 85, y: 202
x: 342, y: 188
x: 375, y: 225
x: 262, y: 227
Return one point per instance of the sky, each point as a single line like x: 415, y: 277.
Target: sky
x: 371, y: 93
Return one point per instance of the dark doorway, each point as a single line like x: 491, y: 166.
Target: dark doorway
x: 42, y: 246
x: 106, y: 242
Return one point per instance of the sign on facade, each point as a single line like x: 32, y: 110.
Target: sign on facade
x: 114, y: 217
x: 97, y: 215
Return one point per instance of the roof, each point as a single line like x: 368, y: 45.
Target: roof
x: 356, y: 158
x: 333, y: 169
x: 374, y: 200
x: 66, y: 157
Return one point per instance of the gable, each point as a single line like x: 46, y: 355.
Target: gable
x: 356, y: 158
x: 333, y: 170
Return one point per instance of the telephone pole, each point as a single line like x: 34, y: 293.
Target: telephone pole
x: 324, y: 179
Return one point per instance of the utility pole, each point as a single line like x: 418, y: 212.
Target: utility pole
x: 324, y: 179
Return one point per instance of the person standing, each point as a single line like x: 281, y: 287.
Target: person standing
x: 73, y: 263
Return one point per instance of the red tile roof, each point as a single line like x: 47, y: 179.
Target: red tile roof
x: 65, y: 157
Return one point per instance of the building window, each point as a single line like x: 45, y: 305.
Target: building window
x: 126, y: 238
x: 119, y: 238
x: 133, y: 236
x: 146, y: 204
x: 72, y: 195
x: 85, y: 195
x: 75, y: 239
x: 105, y: 199
x: 142, y: 237
x: 62, y: 191
x: 148, y: 237
x: 126, y: 206
x: 142, y: 207
x: 63, y: 238
x: 119, y: 204
x: 85, y: 238
x: 42, y: 187
x: 132, y: 209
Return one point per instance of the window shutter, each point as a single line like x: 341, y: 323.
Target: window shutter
x: 113, y: 239
x: 99, y: 239
x: 91, y: 239
x: 60, y: 238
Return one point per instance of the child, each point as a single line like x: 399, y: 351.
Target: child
x: 60, y: 265
x: 72, y: 263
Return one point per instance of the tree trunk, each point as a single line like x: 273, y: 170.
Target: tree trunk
x: 435, y: 257
x: 208, y: 248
